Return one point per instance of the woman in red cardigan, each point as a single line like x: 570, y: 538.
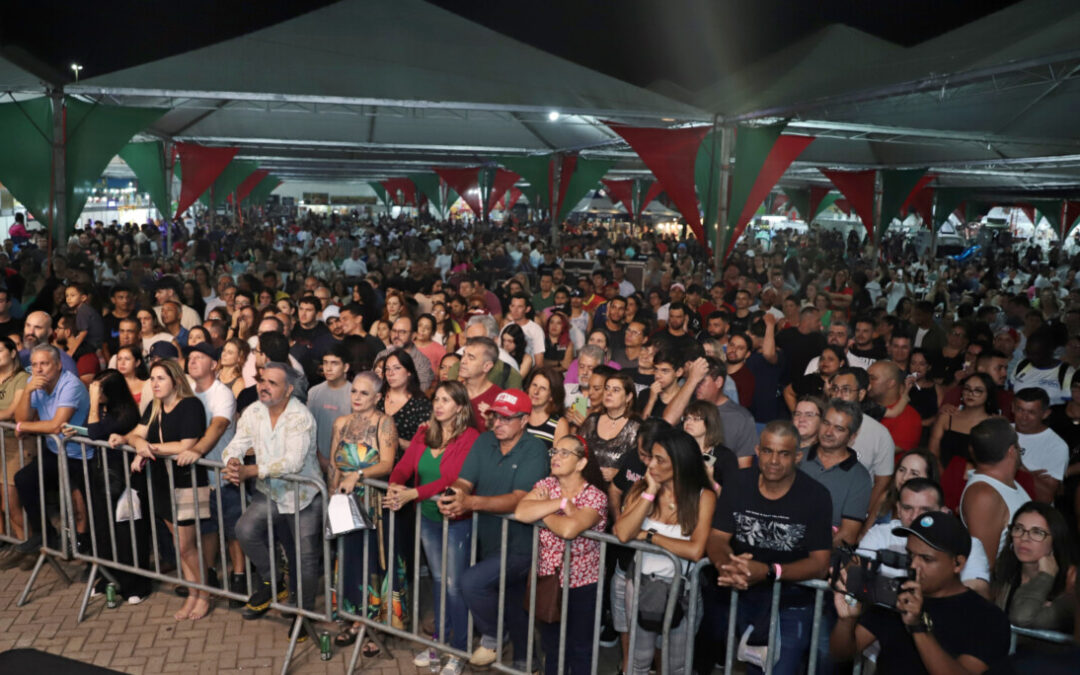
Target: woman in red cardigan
x: 431, y: 464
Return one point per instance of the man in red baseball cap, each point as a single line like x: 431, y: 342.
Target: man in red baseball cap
x: 502, y: 466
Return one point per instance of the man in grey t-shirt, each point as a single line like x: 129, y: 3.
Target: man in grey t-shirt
x: 328, y: 401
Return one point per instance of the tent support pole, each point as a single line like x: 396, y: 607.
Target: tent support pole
x: 58, y: 213
x: 727, y: 147
x: 167, y: 158
x: 877, y: 229
x: 553, y: 195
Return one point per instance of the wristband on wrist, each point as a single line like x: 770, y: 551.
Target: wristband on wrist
x: 562, y: 504
x: 648, y: 497
x: 18, y: 427
x: 778, y: 570
x: 716, y: 487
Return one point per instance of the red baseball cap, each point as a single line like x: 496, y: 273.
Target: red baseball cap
x: 511, y: 402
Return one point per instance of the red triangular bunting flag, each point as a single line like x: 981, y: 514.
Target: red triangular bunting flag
x: 1029, y: 211
x: 504, y: 180
x: 400, y: 191
x: 922, y: 203
x: 200, y: 166
x: 621, y: 191
x: 671, y: 154
x: 654, y: 191
x: 858, y: 187
x: 464, y: 182
x: 783, y: 153
x: 249, y: 184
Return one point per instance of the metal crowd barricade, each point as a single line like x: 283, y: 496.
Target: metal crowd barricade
x: 820, y: 588
x: 51, y: 550
x: 371, y: 627
x: 103, y: 563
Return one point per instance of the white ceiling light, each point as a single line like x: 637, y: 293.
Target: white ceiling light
x: 553, y: 115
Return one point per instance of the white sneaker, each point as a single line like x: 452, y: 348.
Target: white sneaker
x: 453, y: 666
x: 756, y: 654
x: 483, y: 656
x: 423, y: 657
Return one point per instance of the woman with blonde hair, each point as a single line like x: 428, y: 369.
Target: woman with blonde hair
x: 431, y: 465
x: 170, y: 428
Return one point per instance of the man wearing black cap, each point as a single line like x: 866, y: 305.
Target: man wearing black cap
x: 938, y: 625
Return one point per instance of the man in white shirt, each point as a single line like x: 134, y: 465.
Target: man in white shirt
x: 1040, y: 369
x: 220, y: 406
x: 1042, y: 451
x: 534, y: 334
x: 919, y: 496
x: 353, y: 266
x: 281, y: 431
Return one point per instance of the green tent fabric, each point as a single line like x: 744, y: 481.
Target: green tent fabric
x: 230, y: 179
x: 1051, y: 210
x: 707, y: 180
x: 947, y: 201
x: 799, y: 199
x: 752, y: 147
x: 587, y: 175
x: 260, y: 193
x: 147, y: 160
x: 826, y: 201
x: 428, y: 184
x: 535, y: 170
x: 95, y: 134
x: 26, y: 162
x: 896, y: 185
x: 380, y: 191
x: 975, y: 209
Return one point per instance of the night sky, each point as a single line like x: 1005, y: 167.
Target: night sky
x: 689, y: 42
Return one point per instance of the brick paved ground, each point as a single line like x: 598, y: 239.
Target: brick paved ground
x: 146, y: 639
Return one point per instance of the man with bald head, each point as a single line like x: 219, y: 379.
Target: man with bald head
x: 901, y: 419
x: 38, y: 330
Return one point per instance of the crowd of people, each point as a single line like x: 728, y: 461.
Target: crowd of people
x: 795, y: 413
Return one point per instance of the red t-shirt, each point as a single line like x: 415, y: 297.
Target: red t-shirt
x: 88, y: 364
x: 905, y: 428
x: 487, y: 397
x: 744, y: 384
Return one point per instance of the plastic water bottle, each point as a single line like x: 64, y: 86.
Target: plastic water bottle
x: 433, y: 661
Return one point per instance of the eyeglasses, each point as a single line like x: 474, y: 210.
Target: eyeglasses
x: 1034, y: 534
x: 846, y: 391
x: 971, y: 390
x: 501, y: 419
x: 562, y: 452
x: 692, y: 418
x: 805, y: 415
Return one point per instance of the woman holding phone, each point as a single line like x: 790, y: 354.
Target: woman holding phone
x: 430, y: 466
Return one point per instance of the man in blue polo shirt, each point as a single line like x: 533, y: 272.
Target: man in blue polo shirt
x: 502, y: 466
x: 54, y: 398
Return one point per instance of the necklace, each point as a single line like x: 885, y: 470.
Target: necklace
x: 614, y: 419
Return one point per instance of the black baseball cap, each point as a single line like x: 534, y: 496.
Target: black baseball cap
x: 204, y: 348
x: 939, y: 530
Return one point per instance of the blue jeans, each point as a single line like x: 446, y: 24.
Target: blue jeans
x: 458, y: 540
x: 753, y: 609
x: 480, y: 586
x: 580, y: 614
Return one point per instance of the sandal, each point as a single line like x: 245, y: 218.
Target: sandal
x: 370, y: 650
x: 347, y: 636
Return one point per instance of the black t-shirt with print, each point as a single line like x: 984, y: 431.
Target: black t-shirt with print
x: 964, y: 623
x: 782, y: 530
